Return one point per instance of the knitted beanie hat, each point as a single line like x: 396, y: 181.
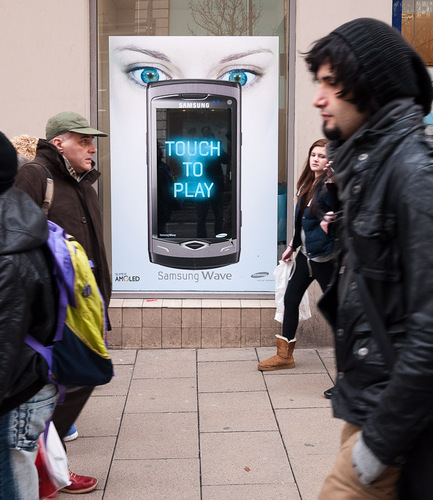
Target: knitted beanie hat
x: 393, y: 68
x: 8, y: 163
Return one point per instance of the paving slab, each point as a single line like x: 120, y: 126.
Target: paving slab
x: 243, y: 458
x: 165, y: 363
x: 283, y: 491
x: 164, y: 395
x: 154, y: 480
x: 123, y: 356
x: 298, y: 390
x: 229, y: 376
x: 158, y: 435
x: 309, y: 431
x: 119, y: 384
x: 236, y: 411
x: 227, y: 354
x: 310, y: 471
x: 101, y: 416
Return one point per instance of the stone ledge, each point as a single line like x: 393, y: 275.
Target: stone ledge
x: 205, y: 323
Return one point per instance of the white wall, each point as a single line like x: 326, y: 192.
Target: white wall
x: 45, y: 62
x: 315, y: 19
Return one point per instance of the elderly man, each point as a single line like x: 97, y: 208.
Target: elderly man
x: 67, y: 154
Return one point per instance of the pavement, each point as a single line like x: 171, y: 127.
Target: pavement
x: 205, y: 424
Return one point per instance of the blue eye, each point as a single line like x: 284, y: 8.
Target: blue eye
x: 148, y: 74
x: 242, y: 76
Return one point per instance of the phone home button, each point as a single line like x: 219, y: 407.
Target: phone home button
x: 194, y: 245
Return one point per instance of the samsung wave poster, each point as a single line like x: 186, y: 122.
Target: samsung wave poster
x: 194, y: 148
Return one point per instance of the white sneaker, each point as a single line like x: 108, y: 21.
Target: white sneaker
x: 72, y: 434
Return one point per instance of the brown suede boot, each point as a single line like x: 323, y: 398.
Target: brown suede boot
x: 283, y: 358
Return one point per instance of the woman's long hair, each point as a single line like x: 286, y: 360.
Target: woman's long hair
x: 307, y: 180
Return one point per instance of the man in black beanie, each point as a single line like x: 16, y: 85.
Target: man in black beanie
x: 373, y: 91
x: 27, y: 304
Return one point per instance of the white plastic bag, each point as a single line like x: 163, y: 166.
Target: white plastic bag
x: 52, y: 464
x: 283, y: 272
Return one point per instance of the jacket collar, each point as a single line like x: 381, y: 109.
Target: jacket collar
x: 373, y: 142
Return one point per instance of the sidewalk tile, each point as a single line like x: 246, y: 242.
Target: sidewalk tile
x: 119, y: 384
x: 236, y: 411
x: 243, y: 458
x: 298, y: 390
x: 162, y: 395
x: 154, y: 480
x: 227, y: 354
x: 308, y: 467
x: 309, y: 431
x: 165, y: 363
x: 101, y: 416
x: 158, y: 436
x: 230, y: 376
x: 123, y: 356
x: 283, y: 491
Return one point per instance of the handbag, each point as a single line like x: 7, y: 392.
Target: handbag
x: 283, y: 272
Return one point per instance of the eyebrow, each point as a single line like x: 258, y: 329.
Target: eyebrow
x: 153, y: 53
x: 232, y: 57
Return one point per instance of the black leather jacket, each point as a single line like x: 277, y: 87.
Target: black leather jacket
x: 27, y: 302
x: 385, y: 180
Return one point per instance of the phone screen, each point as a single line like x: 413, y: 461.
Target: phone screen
x: 195, y: 179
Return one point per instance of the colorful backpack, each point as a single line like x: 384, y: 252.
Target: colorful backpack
x: 79, y: 354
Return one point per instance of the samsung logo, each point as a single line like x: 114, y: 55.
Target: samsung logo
x: 193, y: 105
x: 260, y: 275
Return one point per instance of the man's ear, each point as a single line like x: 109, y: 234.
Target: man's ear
x: 57, y: 141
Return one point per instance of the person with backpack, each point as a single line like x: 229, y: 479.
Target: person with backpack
x: 27, y: 304
x: 373, y: 91
x: 67, y: 155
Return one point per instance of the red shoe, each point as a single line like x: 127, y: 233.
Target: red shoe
x: 80, y: 484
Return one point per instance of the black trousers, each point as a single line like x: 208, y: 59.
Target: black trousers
x: 67, y: 412
x: 305, y: 273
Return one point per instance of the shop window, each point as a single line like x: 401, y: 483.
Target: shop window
x: 414, y: 18
x: 189, y: 18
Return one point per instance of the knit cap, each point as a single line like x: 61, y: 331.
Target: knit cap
x: 8, y: 163
x: 393, y: 68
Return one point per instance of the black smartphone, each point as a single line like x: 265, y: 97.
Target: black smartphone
x: 194, y: 162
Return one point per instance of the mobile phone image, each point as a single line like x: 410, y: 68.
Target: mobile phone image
x: 194, y: 164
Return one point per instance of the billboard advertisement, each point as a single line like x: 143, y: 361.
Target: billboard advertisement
x: 194, y: 148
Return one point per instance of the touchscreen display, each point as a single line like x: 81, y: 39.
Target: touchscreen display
x: 196, y: 175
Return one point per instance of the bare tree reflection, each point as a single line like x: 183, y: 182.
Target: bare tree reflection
x: 225, y: 17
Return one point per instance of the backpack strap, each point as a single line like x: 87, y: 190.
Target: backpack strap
x: 49, y: 190
x: 47, y: 353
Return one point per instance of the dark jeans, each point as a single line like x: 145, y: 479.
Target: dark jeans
x: 305, y: 273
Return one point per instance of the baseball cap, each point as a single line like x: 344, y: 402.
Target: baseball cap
x: 68, y: 121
